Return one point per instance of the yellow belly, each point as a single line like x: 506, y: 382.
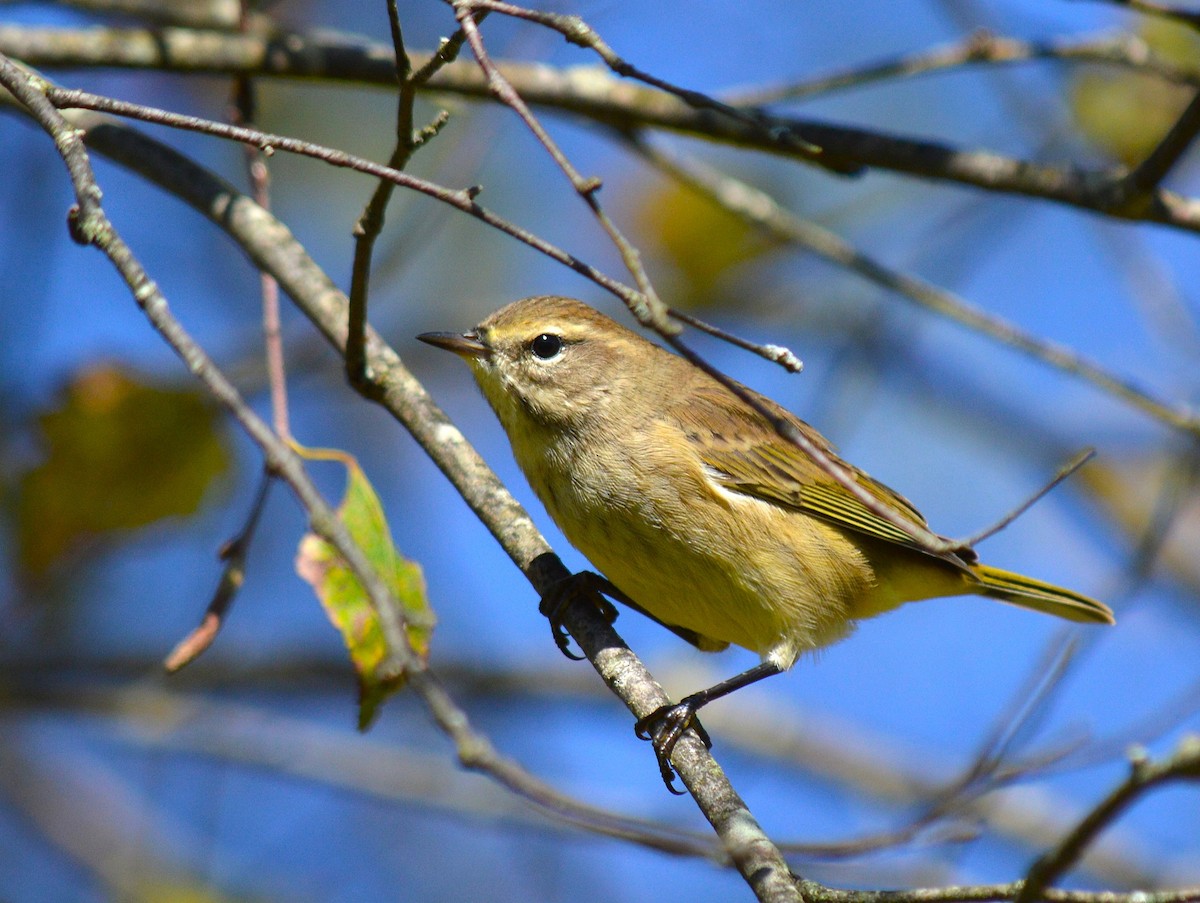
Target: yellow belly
x: 731, y: 568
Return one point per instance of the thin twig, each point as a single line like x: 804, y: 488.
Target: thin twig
x: 776, y: 354
x: 578, y: 32
x: 1063, y: 473
x: 233, y: 553
x: 1030, y: 700
x: 760, y: 209
x: 370, y: 222
x: 647, y: 307
x: 1144, y: 774
x: 408, y: 140
x: 260, y: 181
x: 1126, y: 51
x: 272, y: 247
x: 446, y: 54
x: 601, y: 98
x: 461, y: 199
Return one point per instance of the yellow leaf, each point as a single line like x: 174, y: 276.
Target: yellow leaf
x: 699, y: 240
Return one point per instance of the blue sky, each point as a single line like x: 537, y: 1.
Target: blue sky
x: 962, y: 426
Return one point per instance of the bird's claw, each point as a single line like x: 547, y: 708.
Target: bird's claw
x: 663, y: 727
x: 560, y: 595
x: 562, y: 640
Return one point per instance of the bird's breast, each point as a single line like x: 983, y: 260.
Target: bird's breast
x: 731, y: 568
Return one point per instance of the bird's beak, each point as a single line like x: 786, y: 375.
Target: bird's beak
x: 466, y: 345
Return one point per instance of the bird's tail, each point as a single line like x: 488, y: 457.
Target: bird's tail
x: 1045, y: 597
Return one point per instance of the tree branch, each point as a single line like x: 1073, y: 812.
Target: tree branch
x: 593, y: 94
x: 1124, y: 51
x: 634, y: 300
x: 763, y: 212
x: 272, y: 248
x: 1143, y: 775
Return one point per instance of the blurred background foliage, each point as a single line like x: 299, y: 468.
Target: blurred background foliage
x: 242, y: 777
x: 1127, y: 114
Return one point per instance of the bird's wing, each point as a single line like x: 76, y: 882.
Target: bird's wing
x: 745, y: 454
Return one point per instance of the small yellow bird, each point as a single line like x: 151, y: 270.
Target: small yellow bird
x: 695, y: 509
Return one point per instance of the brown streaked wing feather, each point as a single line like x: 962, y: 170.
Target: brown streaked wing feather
x: 746, y: 455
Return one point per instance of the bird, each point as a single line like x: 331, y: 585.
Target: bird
x: 696, y: 511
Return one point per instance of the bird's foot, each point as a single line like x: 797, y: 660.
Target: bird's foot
x: 663, y: 727
x: 586, y: 585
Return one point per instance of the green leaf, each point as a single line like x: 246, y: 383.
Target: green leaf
x: 120, y: 453
x: 345, y: 601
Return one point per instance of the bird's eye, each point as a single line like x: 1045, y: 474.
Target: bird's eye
x: 546, y: 346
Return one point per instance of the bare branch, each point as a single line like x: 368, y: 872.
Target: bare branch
x: 647, y: 307
x: 462, y: 199
x: 599, y: 97
x: 1144, y: 774
x: 1063, y: 473
x: 760, y: 209
x: 577, y: 31
x: 370, y: 222
x: 233, y: 574
x: 1125, y: 51
x: 272, y: 247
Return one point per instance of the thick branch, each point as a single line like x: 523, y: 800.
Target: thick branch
x: 591, y: 92
x: 272, y: 248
